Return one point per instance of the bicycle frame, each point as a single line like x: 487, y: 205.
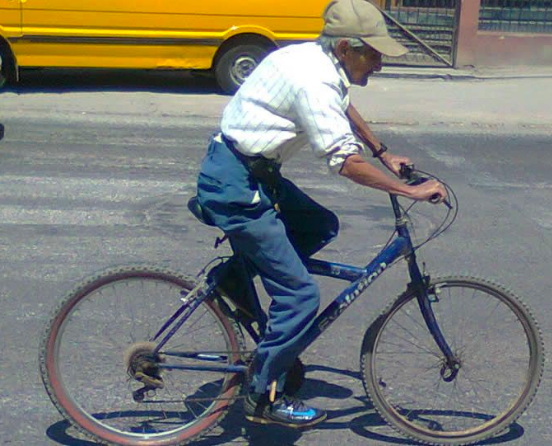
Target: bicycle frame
x: 360, y: 278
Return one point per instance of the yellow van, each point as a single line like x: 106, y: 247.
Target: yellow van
x: 229, y: 38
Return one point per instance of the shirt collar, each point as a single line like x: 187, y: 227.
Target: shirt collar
x: 340, y: 69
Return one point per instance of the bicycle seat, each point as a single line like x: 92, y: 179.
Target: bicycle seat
x: 195, y: 208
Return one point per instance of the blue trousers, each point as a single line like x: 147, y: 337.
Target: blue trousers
x: 275, y: 244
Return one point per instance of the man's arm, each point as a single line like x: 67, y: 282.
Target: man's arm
x: 363, y: 132
x: 357, y: 169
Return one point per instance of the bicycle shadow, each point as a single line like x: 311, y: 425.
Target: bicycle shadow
x: 234, y: 427
x: 54, y: 80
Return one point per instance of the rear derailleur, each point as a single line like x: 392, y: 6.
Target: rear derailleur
x: 142, y: 364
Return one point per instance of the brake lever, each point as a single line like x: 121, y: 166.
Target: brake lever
x: 405, y: 171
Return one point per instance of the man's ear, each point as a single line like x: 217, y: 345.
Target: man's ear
x: 341, y: 49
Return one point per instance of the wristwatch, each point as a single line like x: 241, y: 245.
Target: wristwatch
x: 381, y: 151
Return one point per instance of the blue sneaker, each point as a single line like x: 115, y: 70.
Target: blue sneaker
x: 286, y: 411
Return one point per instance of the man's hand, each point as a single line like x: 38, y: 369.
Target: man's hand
x: 357, y: 169
x: 428, y: 190
x: 393, y: 162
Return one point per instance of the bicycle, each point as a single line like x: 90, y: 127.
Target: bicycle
x: 451, y: 361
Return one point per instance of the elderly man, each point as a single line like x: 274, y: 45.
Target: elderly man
x: 297, y: 96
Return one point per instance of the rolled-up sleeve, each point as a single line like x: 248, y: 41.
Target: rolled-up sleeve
x: 320, y: 110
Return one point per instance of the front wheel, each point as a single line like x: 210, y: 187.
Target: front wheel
x: 99, y: 364
x: 499, y: 354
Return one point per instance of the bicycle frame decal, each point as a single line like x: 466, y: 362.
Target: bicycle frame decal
x: 334, y: 270
x: 399, y: 247
x: 351, y: 297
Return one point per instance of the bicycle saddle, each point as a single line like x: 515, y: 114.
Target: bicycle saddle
x: 195, y: 208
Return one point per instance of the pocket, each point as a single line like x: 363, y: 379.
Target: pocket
x: 207, y: 182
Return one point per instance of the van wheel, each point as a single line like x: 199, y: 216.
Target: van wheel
x: 236, y: 64
x: 8, y: 73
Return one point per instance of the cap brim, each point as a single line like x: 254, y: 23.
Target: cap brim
x: 386, y: 46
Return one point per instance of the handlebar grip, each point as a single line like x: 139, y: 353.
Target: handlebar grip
x: 435, y: 200
x: 408, y: 172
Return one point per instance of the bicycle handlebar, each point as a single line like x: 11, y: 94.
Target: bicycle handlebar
x: 414, y: 178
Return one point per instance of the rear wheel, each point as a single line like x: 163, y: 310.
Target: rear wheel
x: 499, y: 353
x: 237, y: 64
x: 99, y: 366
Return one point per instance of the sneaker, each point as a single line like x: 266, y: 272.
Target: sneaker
x: 285, y: 411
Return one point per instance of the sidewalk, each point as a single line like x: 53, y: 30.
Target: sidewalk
x: 512, y: 99
x: 475, y: 73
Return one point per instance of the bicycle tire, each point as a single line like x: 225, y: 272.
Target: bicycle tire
x: 391, y: 394
x: 103, y: 426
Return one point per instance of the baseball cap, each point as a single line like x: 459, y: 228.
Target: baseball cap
x: 360, y: 19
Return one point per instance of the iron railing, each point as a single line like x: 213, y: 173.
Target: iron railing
x: 425, y: 27
x: 517, y: 16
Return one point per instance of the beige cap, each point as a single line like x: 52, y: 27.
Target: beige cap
x: 360, y: 19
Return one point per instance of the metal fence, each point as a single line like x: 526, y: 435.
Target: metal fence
x: 425, y: 27
x: 521, y: 16
x: 427, y: 3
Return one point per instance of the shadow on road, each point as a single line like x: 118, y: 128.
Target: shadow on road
x: 235, y: 429
x: 98, y: 80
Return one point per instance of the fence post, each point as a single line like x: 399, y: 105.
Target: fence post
x: 466, y: 32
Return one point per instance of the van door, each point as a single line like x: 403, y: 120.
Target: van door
x: 10, y: 28
x: 10, y: 18
x: 106, y: 33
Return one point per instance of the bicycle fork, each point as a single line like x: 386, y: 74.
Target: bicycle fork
x: 451, y: 365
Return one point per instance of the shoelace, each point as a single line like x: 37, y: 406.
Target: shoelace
x: 294, y: 403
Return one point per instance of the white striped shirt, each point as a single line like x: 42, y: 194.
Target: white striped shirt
x: 297, y: 95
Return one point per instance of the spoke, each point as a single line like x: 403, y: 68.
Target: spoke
x: 196, y: 321
x: 404, y: 353
x: 474, y: 406
x: 191, y: 409
x: 494, y: 309
x: 423, y: 327
x: 492, y: 400
x: 414, y: 336
x: 187, y: 333
x: 438, y: 386
x: 416, y: 345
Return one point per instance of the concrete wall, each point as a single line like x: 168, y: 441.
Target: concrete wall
x: 476, y: 47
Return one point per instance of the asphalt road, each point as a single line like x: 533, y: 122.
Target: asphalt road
x: 81, y: 191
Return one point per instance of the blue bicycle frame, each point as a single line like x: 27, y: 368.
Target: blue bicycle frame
x: 360, y: 278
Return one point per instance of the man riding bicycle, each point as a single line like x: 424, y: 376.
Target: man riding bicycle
x: 297, y: 96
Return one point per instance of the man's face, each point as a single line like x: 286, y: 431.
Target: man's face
x: 359, y: 63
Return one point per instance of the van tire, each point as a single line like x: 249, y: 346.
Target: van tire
x: 9, y: 70
x: 236, y: 64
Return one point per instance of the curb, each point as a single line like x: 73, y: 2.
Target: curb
x: 458, y: 75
